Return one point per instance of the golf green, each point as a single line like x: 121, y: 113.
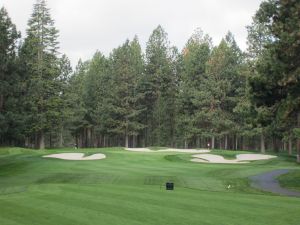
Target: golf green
x: 127, y: 188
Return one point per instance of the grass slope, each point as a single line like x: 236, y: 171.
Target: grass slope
x: 291, y: 180
x: 127, y: 188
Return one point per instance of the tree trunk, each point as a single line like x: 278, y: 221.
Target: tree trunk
x: 186, y: 145
x: 226, y: 142
x: 243, y: 142
x: 95, y: 141
x: 50, y: 140
x: 88, y: 137
x: 262, y: 143
x: 298, y: 138
x: 60, y: 141
x: 134, y: 141
x: 104, y: 141
x: 213, y: 142
x: 272, y: 144
x: 145, y: 136
x: 83, y: 137
x: 81, y: 140
x: 236, y: 142
x: 284, y: 146
x: 1, y: 102
x: 198, y: 142
x: 41, y: 140
x: 100, y: 141
x: 290, y: 150
x: 276, y: 147
x: 126, y: 140
x: 78, y: 140
x: 27, y: 142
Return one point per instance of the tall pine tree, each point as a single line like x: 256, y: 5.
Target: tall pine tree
x: 127, y: 69
x: 39, y: 53
x: 9, y: 81
x: 160, y: 90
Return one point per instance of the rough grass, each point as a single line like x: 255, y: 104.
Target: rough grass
x: 127, y: 188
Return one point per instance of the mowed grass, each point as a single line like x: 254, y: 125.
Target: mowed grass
x: 127, y: 188
x: 291, y: 180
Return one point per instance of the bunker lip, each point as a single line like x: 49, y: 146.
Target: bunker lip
x: 169, y: 150
x: 240, y: 158
x: 76, y: 156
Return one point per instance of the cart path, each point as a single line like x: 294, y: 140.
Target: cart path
x: 268, y: 182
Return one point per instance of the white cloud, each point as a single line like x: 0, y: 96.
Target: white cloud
x: 88, y: 25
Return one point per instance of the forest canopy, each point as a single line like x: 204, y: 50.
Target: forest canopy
x: 163, y: 96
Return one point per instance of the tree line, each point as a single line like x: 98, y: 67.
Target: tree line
x: 201, y: 95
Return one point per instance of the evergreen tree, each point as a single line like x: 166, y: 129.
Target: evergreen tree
x: 220, y: 88
x: 127, y: 68
x: 190, y: 119
x: 259, y: 36
x: 65, y: 70
x: 76, y: 121
x: 98, y: 99
x: 160, y: 89
x: 276, y: 84
x: 39, y: 53
x: 10, y: 116
x: 204, y: 94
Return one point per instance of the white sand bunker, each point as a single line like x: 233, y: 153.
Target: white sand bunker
x: 185, y: 150
x: 139, y: 149
x: 241, y: 158
x: 252, y: 157
x: 76, y: 156
x: 209, y: 158
x: 168, y: 150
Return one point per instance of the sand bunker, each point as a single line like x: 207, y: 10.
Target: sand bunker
x: 251, y: 157
x: 241, y: 158
x: 209, y: 158
x: 168, y: 150
x: 76, y: 156
x: 139, y: 149
x: 184, y: 150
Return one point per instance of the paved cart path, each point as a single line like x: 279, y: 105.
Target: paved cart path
x: 268, y: 182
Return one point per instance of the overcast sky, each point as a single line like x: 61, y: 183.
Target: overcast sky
x: 88, y: 25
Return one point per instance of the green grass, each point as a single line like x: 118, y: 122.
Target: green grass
x: 127, y: 188
x: 290, y: 180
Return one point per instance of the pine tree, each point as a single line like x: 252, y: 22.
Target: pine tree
x: 160, y: 89
x: 194, y: 58
x: 259, y: 36
x: 76, y: 121
x: 65, y: 70
x: 98, y: 98
x: 127, y: 68
x: 276, y: 84
x: 220, y: 88
x: 9, y: 80
x: 39, y: 53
